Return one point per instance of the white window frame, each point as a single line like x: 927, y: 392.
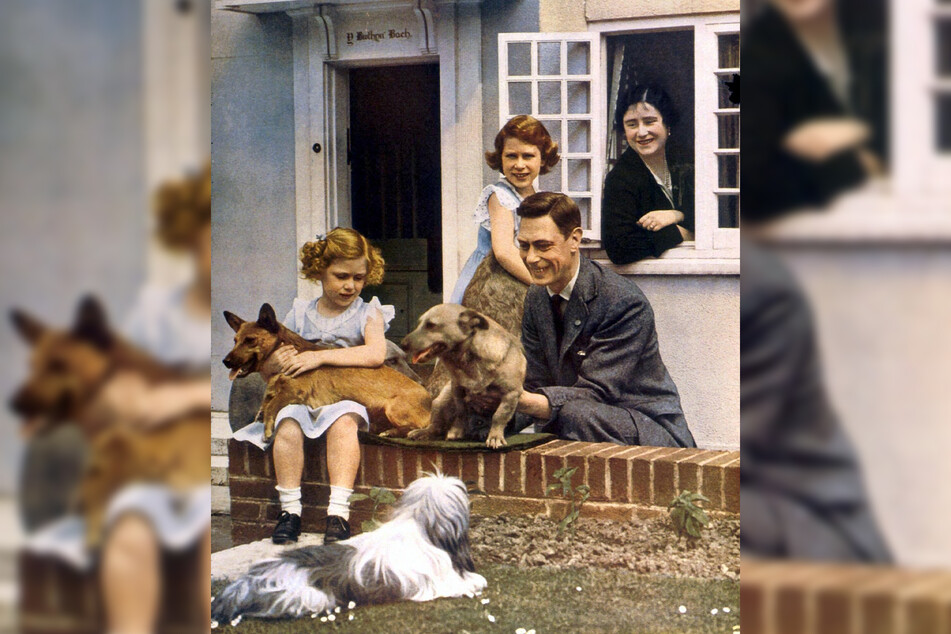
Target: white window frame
x: 715, y: 251
x: 596, y: 107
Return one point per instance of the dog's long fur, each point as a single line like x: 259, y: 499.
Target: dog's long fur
x: 70, y: 369
x: 395, y: 403
x: 421, y: 554
x: 483, y: 359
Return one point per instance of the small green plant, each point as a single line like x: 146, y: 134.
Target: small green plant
x: 577, y: 496
x: 380, y: 496
x: 688, y: 518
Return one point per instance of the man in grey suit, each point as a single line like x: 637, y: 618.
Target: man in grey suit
x: 594, y: 366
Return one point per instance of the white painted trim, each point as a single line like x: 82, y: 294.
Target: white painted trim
x: 692, y: 266
x: 873, y: 215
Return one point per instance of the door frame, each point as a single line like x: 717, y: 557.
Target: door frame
x: 321, y: 115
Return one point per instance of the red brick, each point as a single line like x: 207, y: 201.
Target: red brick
x: 598, y: 470
x: 470, y: 470
x: 689, y: 472
x: 272, y: 511
x: 370, y: 466
x: 642, y: 473
x: 548, y: 447
x: 247, y: 532
x: 391, y: 459
x: 451, y: 464
x: 430, y: 462
x: 512, y: 473
x: 665, y: 476
x: 534, y: 475
x: 712, y: 476
x: 313, y: 519
x: 731, y: 487
x: 245, y: 510
x: 619, y: 470
x: 753, y: 615
x: 313, y: 493
x: 238, y: 457
x: 492, y: 471
x: 246, y: 487
x: 410, y: 460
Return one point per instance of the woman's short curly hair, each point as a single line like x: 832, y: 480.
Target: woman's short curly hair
x: 182, y: 209
x: 342, y: 243
x: 526, y: 129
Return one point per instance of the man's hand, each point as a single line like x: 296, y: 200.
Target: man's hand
x: 534, y: 405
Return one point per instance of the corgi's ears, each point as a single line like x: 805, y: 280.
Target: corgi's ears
x: 90, y: 323
x: 28, y: 327
x: 268, y: 320
x: 233, y: 320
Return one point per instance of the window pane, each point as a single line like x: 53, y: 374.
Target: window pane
x: 551, y: 182
x: 584, y: 205
x: 723, y: 100
x: 729, y: 211
x: 520, y: 58
x: 549, y: 97
x: 579, y: 137
x: 729, y: 45
x: 578, y: 97
x: 578, y: 58
x: 554, y: 130
x: 729, y: 171
x: 944, y: 123
x: 520, y: 98
x: 549, y: 58
x: 943, y: 40
x: 579, y: 175
x: 729, y: 131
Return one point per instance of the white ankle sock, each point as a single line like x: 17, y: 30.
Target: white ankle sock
x: 339, y: 502
x: 290, y: 500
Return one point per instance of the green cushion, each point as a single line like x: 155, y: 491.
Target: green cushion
x: 516, y: 441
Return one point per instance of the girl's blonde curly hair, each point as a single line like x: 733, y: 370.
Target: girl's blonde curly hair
x: 345, y: 243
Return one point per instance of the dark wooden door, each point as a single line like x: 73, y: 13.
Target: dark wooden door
x: 395, y: 182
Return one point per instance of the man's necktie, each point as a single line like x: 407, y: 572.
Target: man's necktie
x: 558, y: 310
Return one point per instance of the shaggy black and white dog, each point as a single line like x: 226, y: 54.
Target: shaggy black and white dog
x: 421, y: 554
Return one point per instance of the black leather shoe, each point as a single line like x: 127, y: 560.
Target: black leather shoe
x: 337, y: 529
x: 287, y: 529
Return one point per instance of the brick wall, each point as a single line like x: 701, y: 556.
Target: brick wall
x: 55, y: 598
x: 625, y: 481
x: 810, y: 598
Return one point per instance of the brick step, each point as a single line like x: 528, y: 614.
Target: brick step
x: 626, y: 482
x: 816, y: 598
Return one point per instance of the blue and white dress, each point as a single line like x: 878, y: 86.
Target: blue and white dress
x: 345, y: 330
x: 510, y: 199
x: 161, y: 324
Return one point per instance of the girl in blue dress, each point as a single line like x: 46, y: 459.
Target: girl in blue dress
x: 523, y: 150
x: 343, y: 263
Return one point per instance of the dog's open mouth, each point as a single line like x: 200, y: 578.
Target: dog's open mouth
x: 428, y: 353
x: 243, y: 370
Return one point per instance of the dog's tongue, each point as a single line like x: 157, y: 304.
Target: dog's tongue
x: 233, y: 374
x: 422, y: 355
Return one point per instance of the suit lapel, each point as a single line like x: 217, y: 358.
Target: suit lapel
x: 576, y: 312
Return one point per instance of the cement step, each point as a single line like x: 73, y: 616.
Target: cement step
x: 228, y: 564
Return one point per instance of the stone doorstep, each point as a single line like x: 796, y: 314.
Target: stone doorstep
x: 232, y: 562
x: 815, y: 598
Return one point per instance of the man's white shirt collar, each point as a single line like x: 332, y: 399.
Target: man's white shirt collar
x: 570, y: 286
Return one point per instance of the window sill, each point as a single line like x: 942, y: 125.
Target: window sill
x: 681, y: 260
x: 871, y: 216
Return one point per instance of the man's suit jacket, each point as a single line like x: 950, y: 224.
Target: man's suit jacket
x: 608, y: 353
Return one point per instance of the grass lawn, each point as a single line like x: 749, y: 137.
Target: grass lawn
x: 546, y: 600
